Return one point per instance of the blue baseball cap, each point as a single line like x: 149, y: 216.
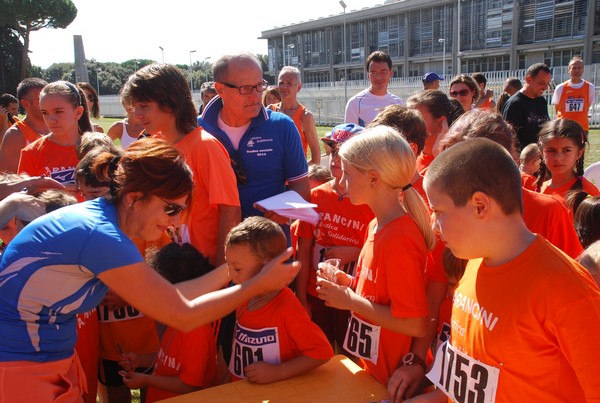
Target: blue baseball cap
x: 341, y: 133
x: 431, y: 77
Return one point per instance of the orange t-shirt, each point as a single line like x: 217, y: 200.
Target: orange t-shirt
x: 277, y: 332
x: 297, y: 118
x: 574, y: 104
x: 43, y: 157
x: 528, y: 181
x: 190, y: 356
x: 561, y: 192
x: 214, y: 185
x: 391, y: 271
x: 537, y: 320
x: 29, y: 134
x: 545, y: 215
x: 87, y: 350
x: 423, y: 162
x: 341, y: 224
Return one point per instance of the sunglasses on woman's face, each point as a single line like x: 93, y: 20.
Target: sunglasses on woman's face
x: 172, y: 209
x: 462, y: 93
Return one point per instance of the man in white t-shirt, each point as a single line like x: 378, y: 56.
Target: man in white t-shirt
x: 574, y: 97
x: 364, y: 106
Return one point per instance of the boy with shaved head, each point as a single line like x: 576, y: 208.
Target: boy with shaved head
x: 525, y: 316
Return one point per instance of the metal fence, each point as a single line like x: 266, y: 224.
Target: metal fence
x: 327, y: 100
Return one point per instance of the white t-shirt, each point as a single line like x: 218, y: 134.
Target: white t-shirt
x: 364, y: 106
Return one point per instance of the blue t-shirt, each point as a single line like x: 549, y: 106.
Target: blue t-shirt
x: 270, y: 153
x: 48, y: 274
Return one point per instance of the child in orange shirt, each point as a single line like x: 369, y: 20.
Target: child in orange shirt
x: 274, y: 338
x: 64, y: 109
x: 387, y: 295
x: 339, y: 234
x: 186, y: 361
x: 525, y: 316
x: 529, y: 165
x: 562, y: 143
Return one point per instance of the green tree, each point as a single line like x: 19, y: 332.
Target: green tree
x: 25, y: 16
x: 10, y: 56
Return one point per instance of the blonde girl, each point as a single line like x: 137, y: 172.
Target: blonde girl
x: 387, y: 294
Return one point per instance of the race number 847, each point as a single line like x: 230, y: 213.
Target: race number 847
x: 463, y: 378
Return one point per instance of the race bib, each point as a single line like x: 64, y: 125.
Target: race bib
x: 253, y: 345
x: 463, y: 378
x: 117, y: 315
x: 574, y: 105
x: 362, y: 339
x: 319, y: 256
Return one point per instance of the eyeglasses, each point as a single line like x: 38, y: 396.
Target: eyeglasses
x: 172, y: 209
x: 238, y: 168
x: 247, y: 89
x: 379, y: 73
x: 462, y: 93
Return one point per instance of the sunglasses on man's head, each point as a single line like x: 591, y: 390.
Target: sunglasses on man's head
x: 172, y: 209
x: 462, y: 93
x: 238, y: 168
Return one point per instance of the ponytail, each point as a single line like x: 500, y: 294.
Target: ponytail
x: 416, y: 208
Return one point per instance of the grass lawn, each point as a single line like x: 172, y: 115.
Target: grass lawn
x: 592, y: 154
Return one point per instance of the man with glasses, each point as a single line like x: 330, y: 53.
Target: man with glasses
x: 527, y: 110
x: 264, y: 146
x: 364, y: 106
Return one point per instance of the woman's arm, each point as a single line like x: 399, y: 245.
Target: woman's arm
x: 145, y: 289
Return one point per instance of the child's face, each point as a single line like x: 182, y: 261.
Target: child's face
x: 335, y: 162
x: 456, y: 225
x: 60, y: 116
x: 356, y: 183
x: 560, y: 155
x: 152, y: 117
x: 243, y: 264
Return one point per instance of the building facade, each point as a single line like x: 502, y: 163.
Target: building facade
x: 445, y: 36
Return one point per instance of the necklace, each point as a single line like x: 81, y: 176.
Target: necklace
x: 256, y: 301
x: 340, y: 195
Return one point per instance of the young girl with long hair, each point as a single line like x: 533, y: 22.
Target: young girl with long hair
x: 64, y: 109
x: 387, y: 295
x: 562, y: 144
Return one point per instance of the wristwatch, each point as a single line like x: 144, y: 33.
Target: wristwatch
x: 412, y: 359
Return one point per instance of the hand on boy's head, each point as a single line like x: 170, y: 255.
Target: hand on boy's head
x: 277, y: 274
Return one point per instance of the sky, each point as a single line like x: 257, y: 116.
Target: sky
x: 120, y: 30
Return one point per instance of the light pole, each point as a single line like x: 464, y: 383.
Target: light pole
x: 443, y: 42
x: 163, y: 53
x: 344, y: 56
x: 191, y: 72
x: 207, y: 71
x: 98, y: 82
x: 283, y: 47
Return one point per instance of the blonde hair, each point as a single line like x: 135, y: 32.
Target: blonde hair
x: 383, y: 149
